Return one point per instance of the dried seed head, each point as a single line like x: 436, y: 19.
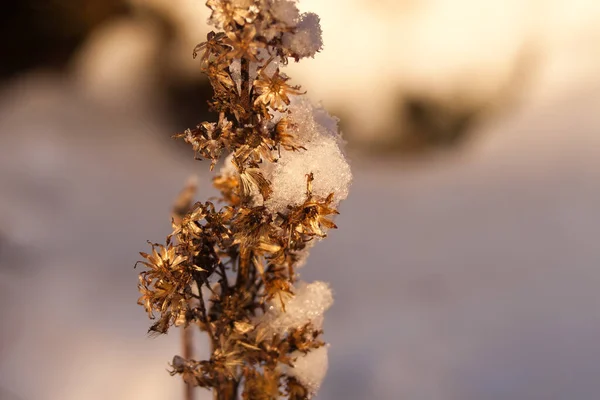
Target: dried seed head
x: 225, y: 270
x: 274, y: 92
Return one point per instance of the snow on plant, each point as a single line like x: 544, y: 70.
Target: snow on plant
x: 231, y: 271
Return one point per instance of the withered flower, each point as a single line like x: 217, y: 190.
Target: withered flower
x: 252, y: 178
x: 220, y: 77
x: 255, y: 154
x: 208, y: 139
x: 278, y: 284
x: 228, y: 356
x: 258, y: 147
x: 164, y: 286
x: 244, y: 44
x: 252, y: 226
x: 313, y: 214
x: 285, y: 137
x: 188, y: 227
x: 305, y: 338
x: 185, y: 368
x: 294, y: 390
x: 310, y: 217
x: 262, y: 386
x: 226, y: 13
x: 194, y: 373
x: 214, y: 46
x: 274, y: 91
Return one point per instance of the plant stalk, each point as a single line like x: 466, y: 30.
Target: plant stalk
x: 228, y: 389
x: 187, y: 350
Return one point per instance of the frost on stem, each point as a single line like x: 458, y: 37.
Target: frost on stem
x: 230, y: 267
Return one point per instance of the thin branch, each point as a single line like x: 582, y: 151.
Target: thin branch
x: 188, y: 353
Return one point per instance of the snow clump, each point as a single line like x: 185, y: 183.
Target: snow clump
x: 310, y: 368
x: 285, y: 11
x: 318, y: 133
x: 307, y: 39
x: 308, y: 305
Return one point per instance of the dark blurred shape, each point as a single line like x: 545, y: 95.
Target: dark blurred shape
x: 438, y: 124
x: 187, y: 102
x: 426, y: 124
x: 45, y: 33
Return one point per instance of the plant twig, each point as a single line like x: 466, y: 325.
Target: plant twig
x: 187, y: 350
x: 242, y: 258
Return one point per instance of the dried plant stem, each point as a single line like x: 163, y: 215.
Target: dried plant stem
x: 228, y: 389
x: 245, y: 87
x: 229, y: 270
x: 187, y: 351
x: 182, y: 206
x: 243, y: 274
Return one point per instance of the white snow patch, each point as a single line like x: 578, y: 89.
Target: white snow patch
x: 308, y: 305
x: 323, y: 157
x: 310, y: 369
x: 285, y: 11
x: 307, y: 40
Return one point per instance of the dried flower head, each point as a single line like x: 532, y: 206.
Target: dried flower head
x: 163, y: 285
x: 227, y: 13
x: 245, y: 44
x: 273, y: 90
x: 213, y: 47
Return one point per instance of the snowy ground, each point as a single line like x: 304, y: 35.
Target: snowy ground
x: 467, y: 277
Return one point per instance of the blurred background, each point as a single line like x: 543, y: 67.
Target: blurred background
x: 466, y: 263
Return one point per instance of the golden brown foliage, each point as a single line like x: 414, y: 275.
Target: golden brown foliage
x: 220, y: 267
